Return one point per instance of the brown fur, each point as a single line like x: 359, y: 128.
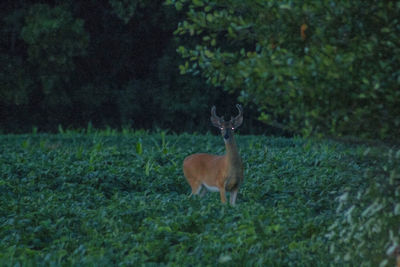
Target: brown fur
x: 224, y: 173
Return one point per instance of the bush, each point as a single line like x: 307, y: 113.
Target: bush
x: 326, y: 67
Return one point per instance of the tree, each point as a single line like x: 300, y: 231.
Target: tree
x: 39, y: 68
x: 325, y: 68
x: 108, y: 62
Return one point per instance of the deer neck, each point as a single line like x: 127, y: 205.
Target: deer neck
x: 232, y: 154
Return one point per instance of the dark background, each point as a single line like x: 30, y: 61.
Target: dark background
x: 114, y: 63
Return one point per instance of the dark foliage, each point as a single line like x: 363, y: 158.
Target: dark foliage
x: 312, y: 67
x: 305, y: 67
x: 110, y: 63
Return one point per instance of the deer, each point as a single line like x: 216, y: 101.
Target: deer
x: 217, y: 173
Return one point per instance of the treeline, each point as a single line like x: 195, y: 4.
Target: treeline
x: 311, y: 67
x: 325, y: 68
x: 110, y: 63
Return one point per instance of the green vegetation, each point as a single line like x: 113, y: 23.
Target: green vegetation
x: 303, y: 68
x: 311, y: 67
x: 108, y: 198
x: 111, y: 62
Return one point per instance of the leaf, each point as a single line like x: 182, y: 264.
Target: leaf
x: 224, y: 258
x: 209, y: 54
x: 198, y: 3
x: 178, y: 5
x: 139, y: 147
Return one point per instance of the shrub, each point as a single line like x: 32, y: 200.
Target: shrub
x: 326, y: 67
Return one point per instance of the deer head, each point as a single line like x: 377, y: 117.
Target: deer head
x: 227, y: 127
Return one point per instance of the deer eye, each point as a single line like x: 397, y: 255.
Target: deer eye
x: 233, y: 128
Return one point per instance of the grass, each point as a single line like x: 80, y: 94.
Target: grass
x: 108, y: 198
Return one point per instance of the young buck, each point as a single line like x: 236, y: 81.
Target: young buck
x: 217, y: 173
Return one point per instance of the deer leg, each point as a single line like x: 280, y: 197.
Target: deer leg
x: 196, y: 187
x: 233, y: 196
x: 203, y: 191
x: 222, y: 194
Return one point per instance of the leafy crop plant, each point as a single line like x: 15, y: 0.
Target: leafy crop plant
x: 109, y: 198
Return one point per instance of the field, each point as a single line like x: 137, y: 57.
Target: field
x: 103, y: 198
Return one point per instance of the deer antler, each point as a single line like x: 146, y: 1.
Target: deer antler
x: 215, y: 119
x: 239, y: 107
x: 237, y: 121
x: 213, y: 113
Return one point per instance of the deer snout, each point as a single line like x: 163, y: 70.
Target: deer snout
x: 226, y: 134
